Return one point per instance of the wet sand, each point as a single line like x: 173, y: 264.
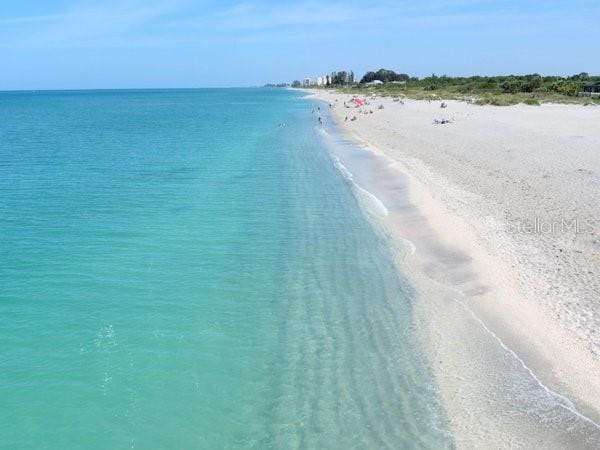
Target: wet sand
x: 501, y: 207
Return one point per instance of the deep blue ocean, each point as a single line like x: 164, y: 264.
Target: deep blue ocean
x: 180, y: 271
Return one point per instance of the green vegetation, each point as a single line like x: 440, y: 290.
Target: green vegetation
x: 385, y: 76
x: 498, y: 90
x: 341, y: 78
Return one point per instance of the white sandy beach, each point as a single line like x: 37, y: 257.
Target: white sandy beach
x: 502, y: 206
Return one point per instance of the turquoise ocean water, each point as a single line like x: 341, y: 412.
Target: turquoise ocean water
x: 177, y: 271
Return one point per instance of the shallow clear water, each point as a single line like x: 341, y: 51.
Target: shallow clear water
x: 179, y: 271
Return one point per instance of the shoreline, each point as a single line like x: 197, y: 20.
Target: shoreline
x: 465, y: 253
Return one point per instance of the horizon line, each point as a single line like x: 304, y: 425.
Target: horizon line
x: 128, y: 89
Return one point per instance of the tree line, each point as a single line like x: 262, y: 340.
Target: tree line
x: 501, y: 84
x: 507, y: 84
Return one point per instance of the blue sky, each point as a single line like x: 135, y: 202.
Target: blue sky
x: 60, y: 44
